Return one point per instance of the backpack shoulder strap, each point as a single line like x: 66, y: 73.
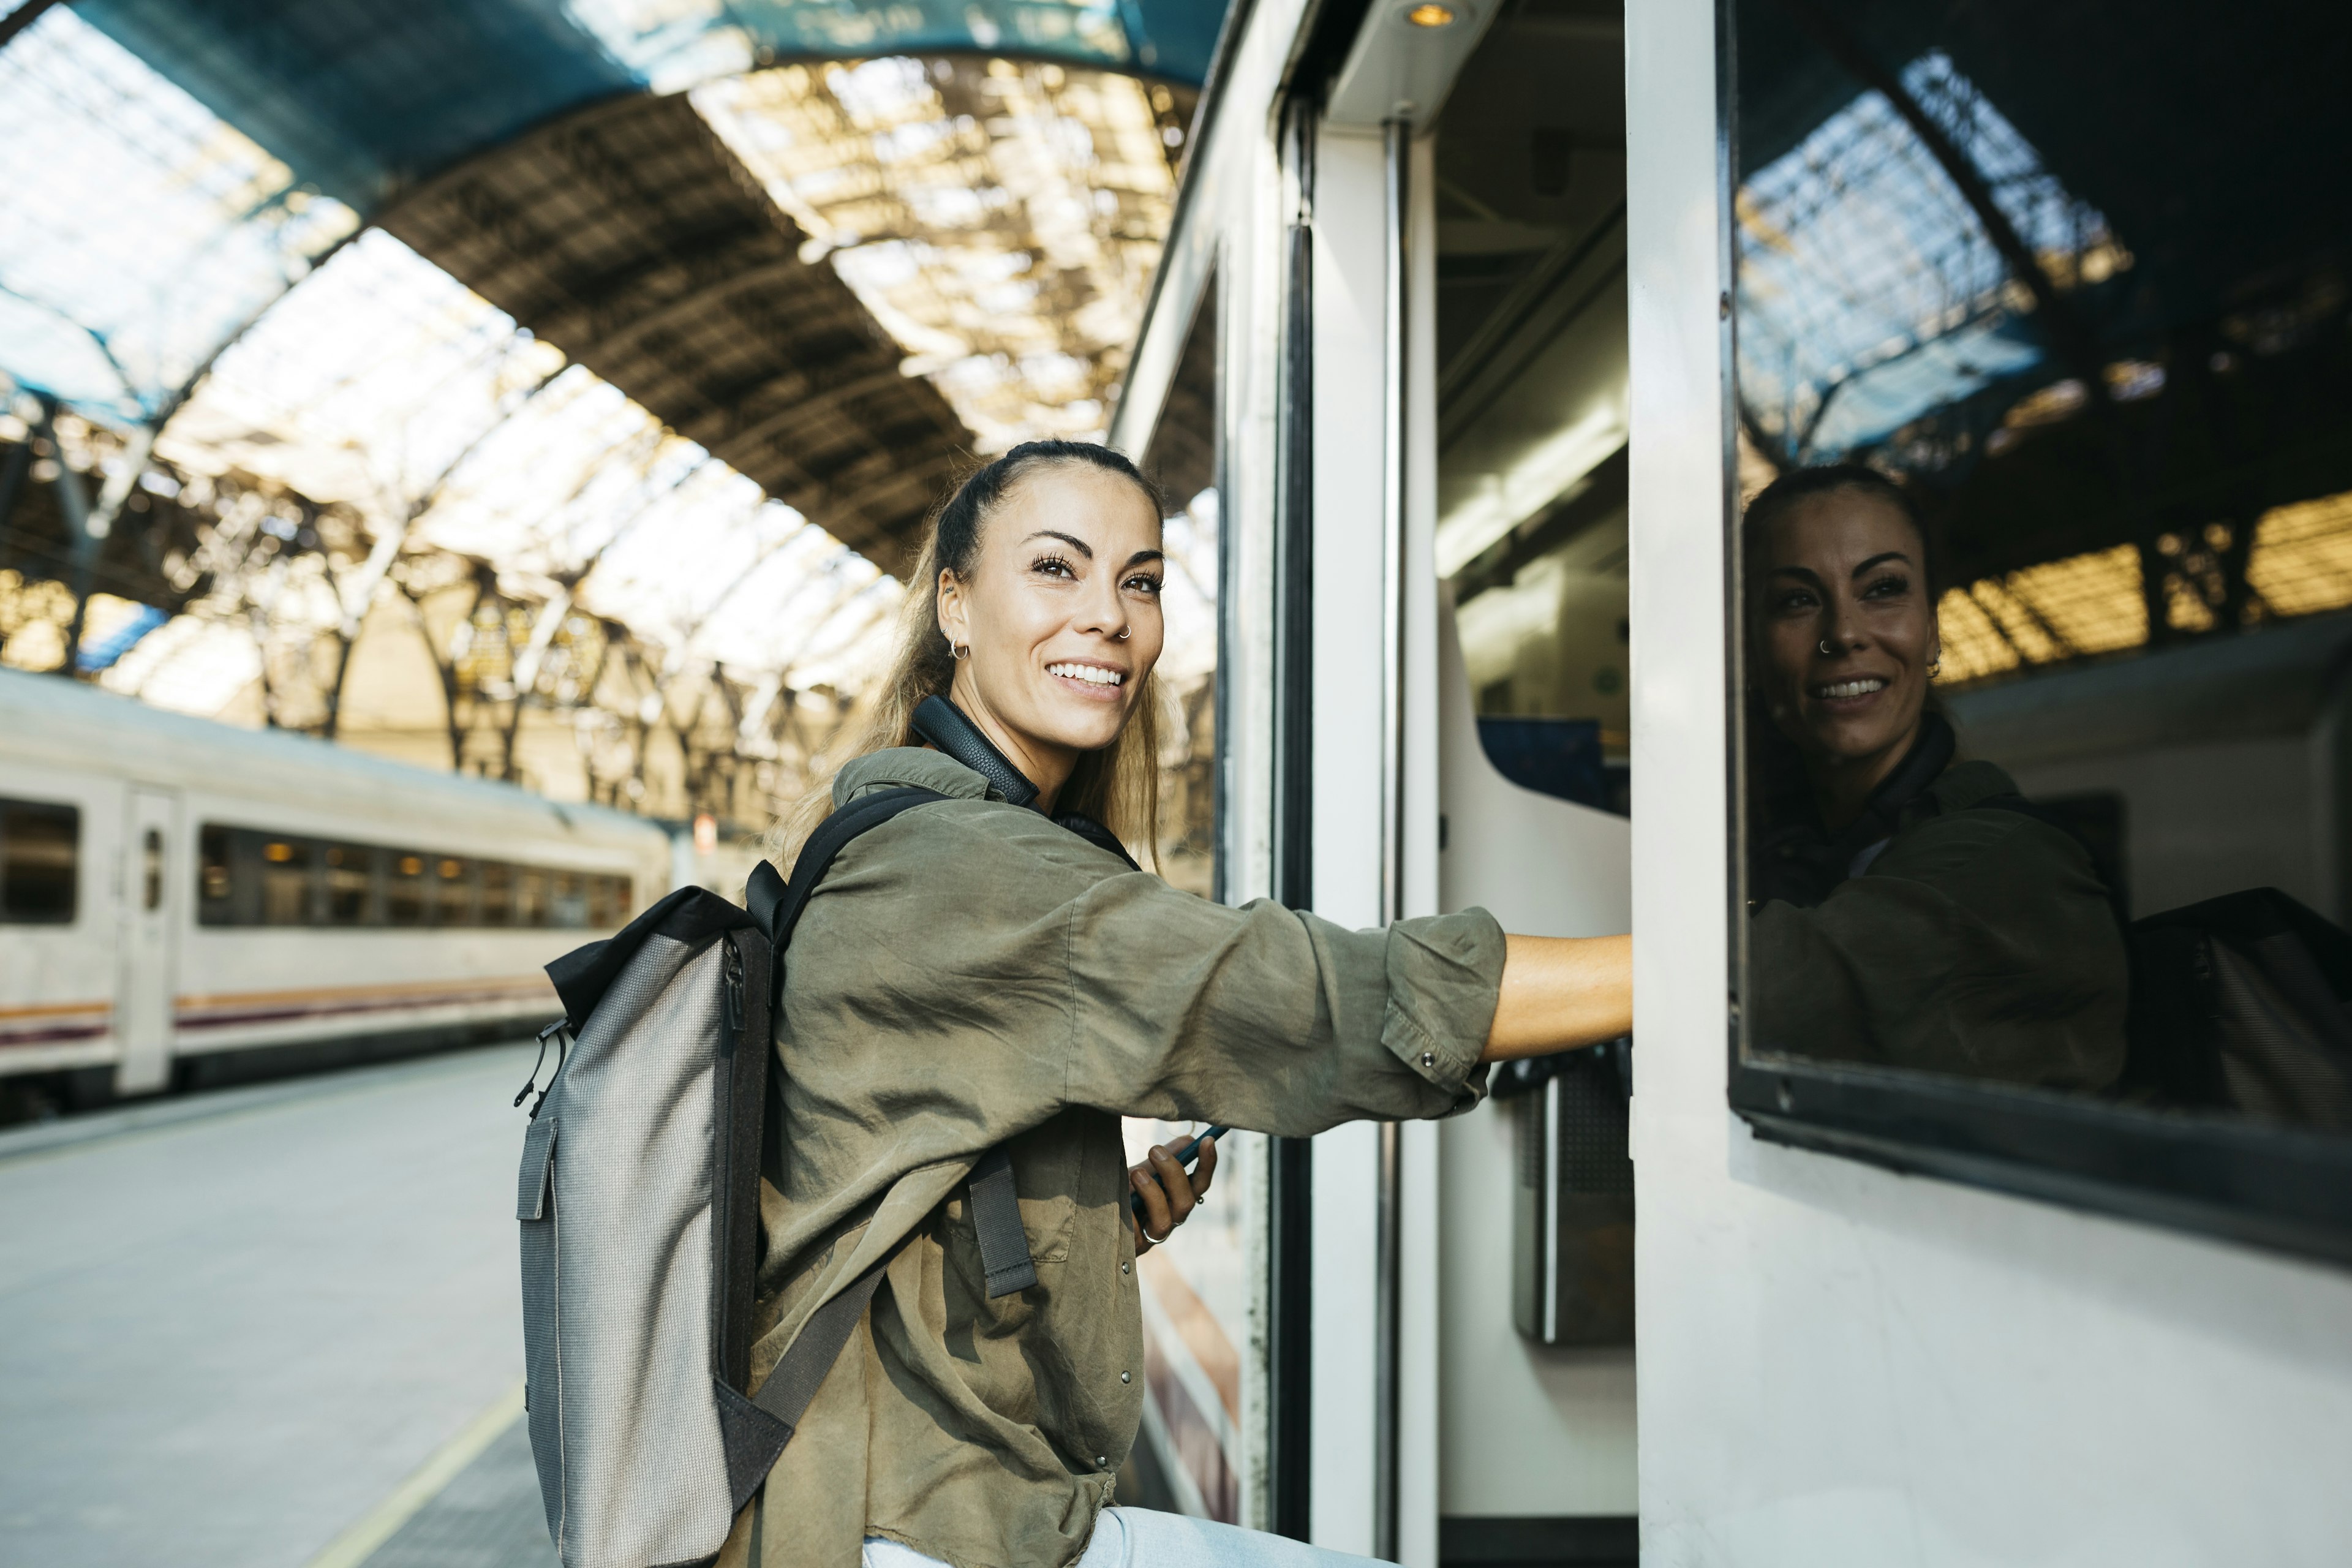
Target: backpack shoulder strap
x: 777, y: 905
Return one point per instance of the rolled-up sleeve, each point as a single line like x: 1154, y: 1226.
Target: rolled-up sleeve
x: 1270, y: 1019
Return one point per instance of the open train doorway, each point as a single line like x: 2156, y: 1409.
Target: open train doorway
x: 1530, y: 371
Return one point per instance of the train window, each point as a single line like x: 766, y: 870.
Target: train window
x: 246, y: 877
x: 1533, y: 401
x: 452, y: 891
x: 531, y: 896
x: 214, y: 880
x: 286, y: 882
x: 608, y: 903
x: 498, y: 893
x: 40, y: 857
x: 150, y: 853
x: 404, y: 889
x: 567, y: 899
x: 351, y: 885
x: 2042, y: 451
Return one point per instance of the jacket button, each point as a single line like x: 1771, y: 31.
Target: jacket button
x: 1125, y: 1267
x: 1102, y: 1461
x: 1127, y: 1377
x: 1428, y: 1059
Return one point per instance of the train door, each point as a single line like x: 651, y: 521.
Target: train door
x: 143, y: 984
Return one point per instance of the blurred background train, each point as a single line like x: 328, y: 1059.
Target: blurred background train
x: 188, y: 904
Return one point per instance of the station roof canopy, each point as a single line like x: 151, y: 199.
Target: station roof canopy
x: 816, y: 255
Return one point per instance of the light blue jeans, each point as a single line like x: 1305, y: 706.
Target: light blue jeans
x: 1144, y: 1538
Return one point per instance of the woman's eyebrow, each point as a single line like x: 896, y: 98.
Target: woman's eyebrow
x: 1806, y: 573
x: 1880, y: 558
x: 1072, y: 539
x: 1140, y: 556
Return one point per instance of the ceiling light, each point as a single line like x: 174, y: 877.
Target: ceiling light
x: 1429, y: 13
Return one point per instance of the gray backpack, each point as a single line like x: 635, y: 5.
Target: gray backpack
x: 639, y: 1198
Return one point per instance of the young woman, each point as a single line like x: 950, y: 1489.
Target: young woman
x: 992, y: 970
x: 1910, y: 909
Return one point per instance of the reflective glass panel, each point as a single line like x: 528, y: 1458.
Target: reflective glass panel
x: 285, y: 881
x: 40, y: 851
x: 349, y: 884
x: 498, y: 893
x: 404, y: 888
x: 2043, y: 386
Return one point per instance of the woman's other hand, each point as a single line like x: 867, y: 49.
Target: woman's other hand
x: 1169, y: 1194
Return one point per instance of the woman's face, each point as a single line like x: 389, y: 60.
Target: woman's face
x: 1843, y: 570
x: 1061, y: 613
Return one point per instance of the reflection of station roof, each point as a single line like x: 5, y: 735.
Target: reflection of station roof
x: 831, y: 249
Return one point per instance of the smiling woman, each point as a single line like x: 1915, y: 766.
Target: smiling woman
x: 991, y: 969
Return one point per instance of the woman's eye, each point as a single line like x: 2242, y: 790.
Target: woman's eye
x: 1887, y: 588
x: 1143, y: 585
x: 1794, y: 599
x: 1053, y: 566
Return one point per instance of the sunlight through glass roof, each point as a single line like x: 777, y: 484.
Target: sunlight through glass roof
x: 143, y: 232
x: 385, y: 385
x: 1000, y: 221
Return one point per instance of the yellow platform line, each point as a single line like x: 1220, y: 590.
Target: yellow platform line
x: 354, y: 1545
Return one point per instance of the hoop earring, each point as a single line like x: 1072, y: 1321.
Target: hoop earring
x: 957, y: 650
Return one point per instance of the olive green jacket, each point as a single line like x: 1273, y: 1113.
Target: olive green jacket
x: 970, y: 973
x: 1980, y: 941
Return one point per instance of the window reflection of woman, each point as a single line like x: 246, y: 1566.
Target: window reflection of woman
x: 1909, y: 909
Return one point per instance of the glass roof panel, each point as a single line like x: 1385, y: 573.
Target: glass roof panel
x: 384, y: 385
x: 1001, y: 220
x: 143, y: 232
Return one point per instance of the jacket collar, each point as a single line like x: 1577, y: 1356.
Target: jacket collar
x: 943, y: 723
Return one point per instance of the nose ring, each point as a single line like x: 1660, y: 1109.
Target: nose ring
x: 1126, y: 632
x: 1827, y: 650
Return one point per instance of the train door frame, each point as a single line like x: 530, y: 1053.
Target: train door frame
x: 150, y: 897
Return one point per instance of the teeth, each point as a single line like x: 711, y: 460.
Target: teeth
x: 1092, y: 674
x: 1850, y: 687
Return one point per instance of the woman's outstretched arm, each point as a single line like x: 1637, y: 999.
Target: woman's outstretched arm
x: 1559, y: 992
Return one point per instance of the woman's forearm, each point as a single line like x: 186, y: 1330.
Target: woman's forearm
x: 1559, y: 992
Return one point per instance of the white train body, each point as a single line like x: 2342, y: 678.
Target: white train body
x: 165, y: 950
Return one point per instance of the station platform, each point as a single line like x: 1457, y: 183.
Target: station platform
x: 275, y: 1327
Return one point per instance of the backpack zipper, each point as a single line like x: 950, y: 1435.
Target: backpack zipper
x: 732, y: 967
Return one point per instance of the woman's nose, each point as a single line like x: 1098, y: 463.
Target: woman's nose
x: 1106, y: 614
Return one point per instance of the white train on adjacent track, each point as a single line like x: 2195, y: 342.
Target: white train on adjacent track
x: 182, y: 900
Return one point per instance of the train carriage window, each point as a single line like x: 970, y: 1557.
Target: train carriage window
x: 150, y: 862
x: 246, y: 877
x: 215, y: 881
x: 286, y: 882
x: 351, y: 885
x: 531, y: 896
x: 498, y: 893
x: 608, y: 903
x: 2042, y: 447
x: 452, y: 891
x: 405, y: 888
x: 40, y: 862
x: 568, y: 901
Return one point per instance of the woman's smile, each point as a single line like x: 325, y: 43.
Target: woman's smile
x: 1086, y: 678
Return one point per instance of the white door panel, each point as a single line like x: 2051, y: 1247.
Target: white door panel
x: 150, y: 895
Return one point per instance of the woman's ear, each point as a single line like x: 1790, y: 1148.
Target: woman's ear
x: 955, y: 622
